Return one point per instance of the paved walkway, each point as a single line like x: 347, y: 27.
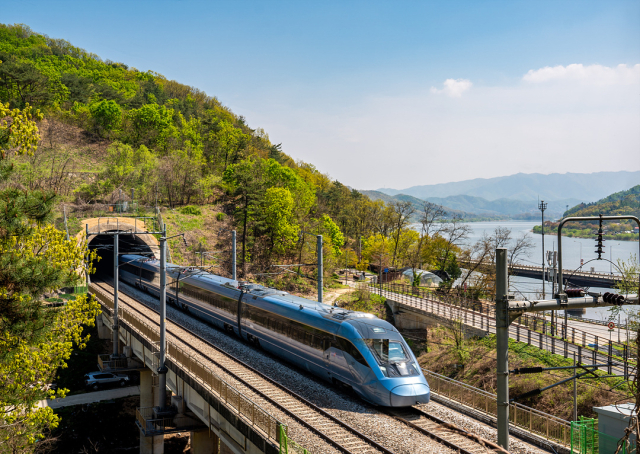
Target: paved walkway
x: 87, y: 398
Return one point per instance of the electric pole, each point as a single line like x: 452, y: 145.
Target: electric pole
x: 320, y: 268
x: 543, y: 206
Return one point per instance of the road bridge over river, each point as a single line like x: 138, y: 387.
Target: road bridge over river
x: 572, y: 277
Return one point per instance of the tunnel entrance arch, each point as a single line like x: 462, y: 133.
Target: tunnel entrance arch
x: 128, y: 242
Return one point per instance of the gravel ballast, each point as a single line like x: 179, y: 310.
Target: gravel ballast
x: 344, y: 405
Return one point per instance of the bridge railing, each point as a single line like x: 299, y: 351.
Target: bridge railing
x: 537, y: 422
x: 237, y: 402
x: 533, y: 329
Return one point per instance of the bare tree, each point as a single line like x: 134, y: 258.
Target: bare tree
x: 431, y: 217
x: 454, y: 233
x: 402, y: 212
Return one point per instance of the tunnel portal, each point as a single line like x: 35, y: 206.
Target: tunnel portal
x: 127, y: 244
x: 101, y: 239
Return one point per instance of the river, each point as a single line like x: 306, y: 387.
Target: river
x: 573, y: 250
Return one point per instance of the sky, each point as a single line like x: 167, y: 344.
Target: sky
x: 392, y: 93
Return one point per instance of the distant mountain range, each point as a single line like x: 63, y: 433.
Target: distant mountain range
x: 485, y: 197
x: 584, y: 187
x: 469, y: 207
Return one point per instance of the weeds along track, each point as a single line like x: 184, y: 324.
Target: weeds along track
x: 435, y: 436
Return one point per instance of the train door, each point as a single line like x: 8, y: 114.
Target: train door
x: 326, y: 354
x: 336, y: 363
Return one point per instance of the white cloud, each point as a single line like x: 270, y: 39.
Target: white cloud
x: 590, y: 75
x: 453, y: 87
x: 413, y: 136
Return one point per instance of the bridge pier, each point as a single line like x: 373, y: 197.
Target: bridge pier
x: 205, y: 442
x: 147, y: 393
x: 155, y: 444
x: 151, y: 445
x: 103, y: 330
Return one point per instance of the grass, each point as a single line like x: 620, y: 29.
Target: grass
x: 364, y: 301
x: 479, y: 370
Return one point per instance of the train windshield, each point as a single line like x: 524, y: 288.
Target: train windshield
x: 392, y: 358
x: 388, y: 351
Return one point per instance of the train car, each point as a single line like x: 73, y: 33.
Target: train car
x: 349, y: 348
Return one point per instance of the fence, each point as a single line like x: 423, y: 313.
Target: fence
x: 537, y: 422
x: 288, y: 446
x: 586, y: 439
x: 229, y: 395
x: 532, y: 329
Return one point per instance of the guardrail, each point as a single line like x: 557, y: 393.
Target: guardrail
x: 244, y: 407
x: 149, y: 424
x: 532, y: 329
x: 152, y: 424
x: 228, y: 394
x: 537, y: 422
x: 105, y: 363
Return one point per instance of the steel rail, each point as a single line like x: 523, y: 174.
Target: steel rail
x: 444, y: 432
x: 445, y: 440
x: 262, y: 393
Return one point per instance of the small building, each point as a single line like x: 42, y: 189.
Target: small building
x: 612, y: 420
x: 427, y: 278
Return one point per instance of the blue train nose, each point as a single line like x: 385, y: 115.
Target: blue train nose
x: 407, y: 395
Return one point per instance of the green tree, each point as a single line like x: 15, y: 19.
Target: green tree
x: 34, y: 257
x: 107, y: 116
x: 278, y: 214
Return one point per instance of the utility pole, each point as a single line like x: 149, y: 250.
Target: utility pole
x: 502, y: 344
x: 345, y: 266
x: 575, y: 390
x: 320, y: 269
x: 162, y: 369
x: 115, y: 338
x: 233, y: 255
x: 380, y: 275
x: 543, y: 206
x: 507, y: 311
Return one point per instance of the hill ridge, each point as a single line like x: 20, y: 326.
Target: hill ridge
x: 585, y: 187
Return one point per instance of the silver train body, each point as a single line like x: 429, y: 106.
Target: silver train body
x: 355, y: 349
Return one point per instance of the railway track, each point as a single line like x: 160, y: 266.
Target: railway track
x: 337, y: 433
x: 446, y: 433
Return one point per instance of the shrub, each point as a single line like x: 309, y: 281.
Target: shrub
x: 220, y: 216
x: 190, y: 209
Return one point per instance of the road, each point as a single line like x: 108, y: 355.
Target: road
x: 87, y: 398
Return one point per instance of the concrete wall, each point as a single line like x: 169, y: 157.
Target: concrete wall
x: 410, y: 318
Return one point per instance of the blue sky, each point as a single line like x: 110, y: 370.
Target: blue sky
x: 358, y: 88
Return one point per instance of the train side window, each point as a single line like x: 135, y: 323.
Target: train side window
x: 351, y: 349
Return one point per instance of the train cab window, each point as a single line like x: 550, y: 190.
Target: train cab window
x: 388, y: 351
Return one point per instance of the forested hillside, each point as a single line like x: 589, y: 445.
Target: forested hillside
x: 623, y: 202
x: 110, y: 129
x: 617, y: 204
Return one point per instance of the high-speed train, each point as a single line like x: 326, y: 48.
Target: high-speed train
x: 344, y: 347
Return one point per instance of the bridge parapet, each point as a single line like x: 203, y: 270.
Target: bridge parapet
x: 216, y: 403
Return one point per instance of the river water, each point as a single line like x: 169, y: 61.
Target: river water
x: 573, y: 249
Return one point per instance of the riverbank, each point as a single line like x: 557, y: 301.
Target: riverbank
x: 586, y: 233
